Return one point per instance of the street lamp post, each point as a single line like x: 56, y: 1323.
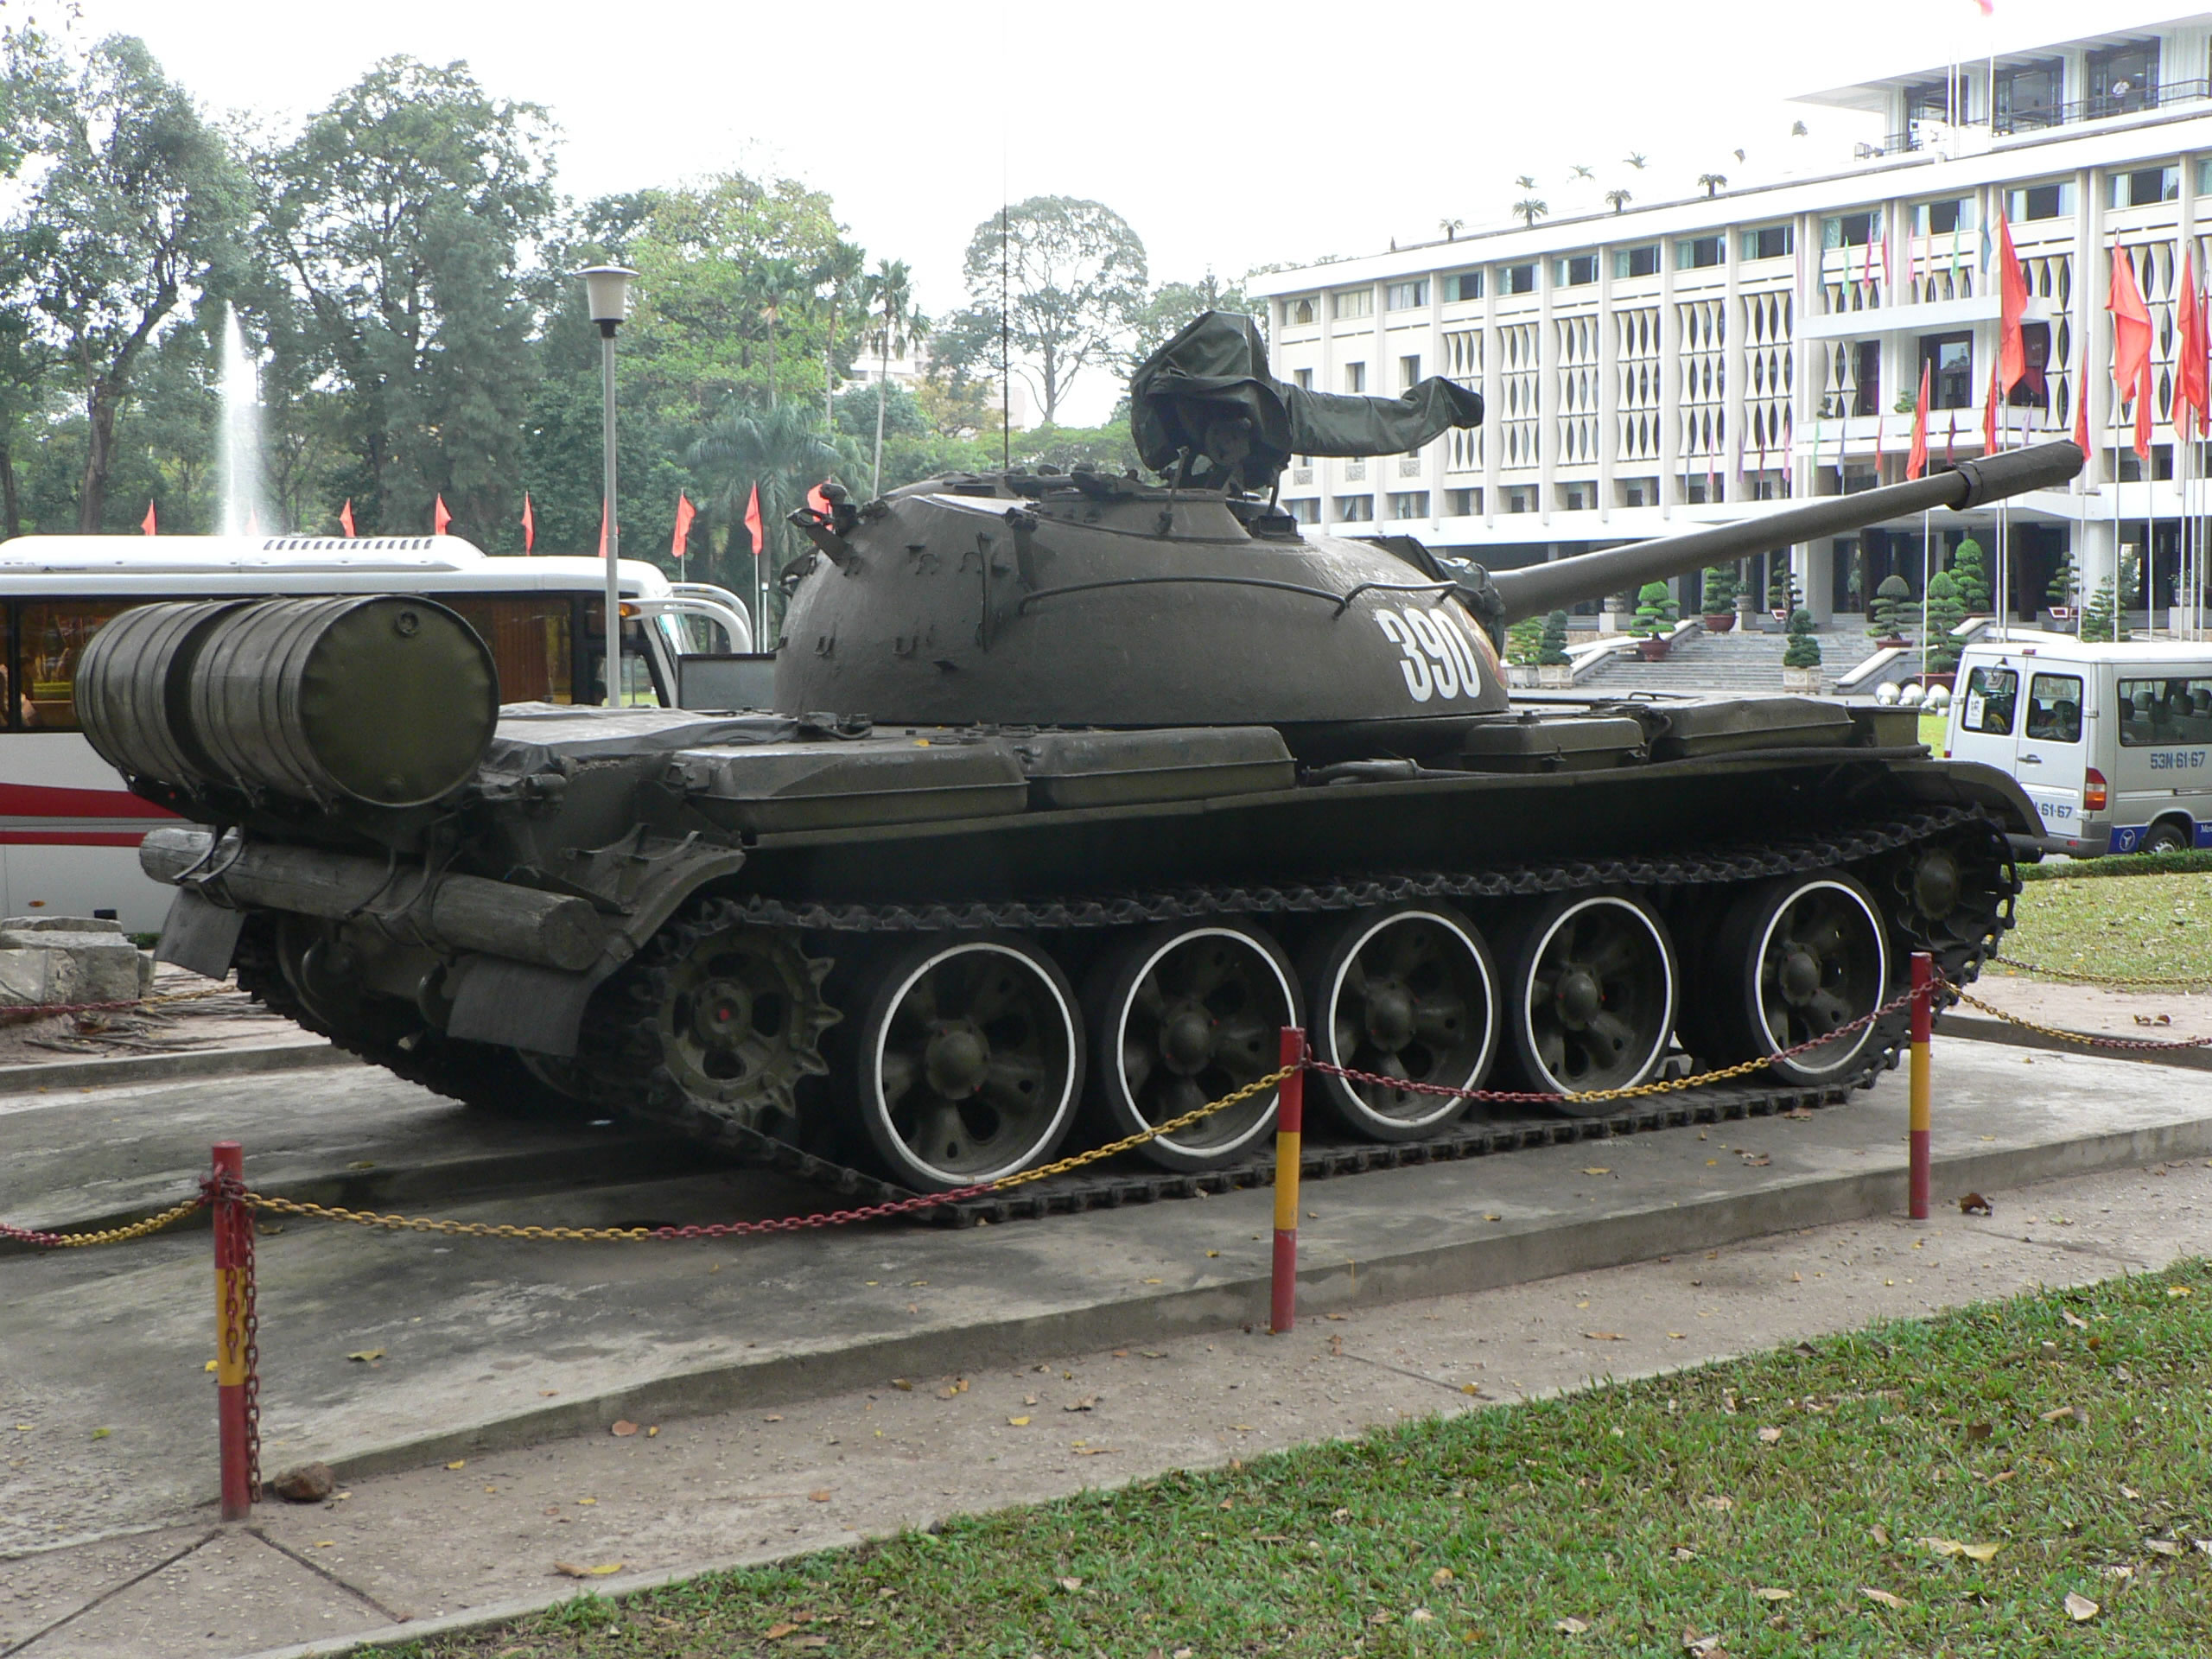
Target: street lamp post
x: 606, y: 287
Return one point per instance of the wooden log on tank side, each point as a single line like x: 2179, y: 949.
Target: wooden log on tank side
x: 551, y: 930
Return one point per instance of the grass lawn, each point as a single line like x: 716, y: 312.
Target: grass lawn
x: 2154, y: 925
x: 1938, y: 1486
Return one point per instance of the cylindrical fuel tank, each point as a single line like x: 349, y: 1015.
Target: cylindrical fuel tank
x: 131, y: 689
x: 385, y: 700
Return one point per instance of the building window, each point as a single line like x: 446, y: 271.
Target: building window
x: 1577, y: 270
x: 1636, y: 261
x: 2053, y: 200
x: 1409, y: 372
x: 1930, y: 103
x: 2030, y: 96
x: 1867, y: 396
x: 1948, y: 359
x: 1638, y: 492
x: 1352, y: 303
x: 1307, y: 509
x: 1943, y: 218
x: 1304, y: 378
x: 1577, y: 498
x: 1697, y: 253
x: 1409, y: 503
x: 2123, y: 79
x: 1850, y: 230
x: 1463, y: 504
x: 1521, y: 498
x: 1463, y: 285
x: 1694, y: 490
x: 1356, y: 379
x: 1354, y: 509
x: 1771, y: 242
x: 2145, y: 185
x: 1516, y: 279
x: 1406, y: 296
x: 1302, y: 311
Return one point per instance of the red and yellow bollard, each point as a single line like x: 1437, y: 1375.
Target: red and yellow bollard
x: 1290, y: 1122
x: 233, y: 1339
x: 1919, y: 1138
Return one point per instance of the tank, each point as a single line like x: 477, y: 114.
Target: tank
x: 1077, y: 788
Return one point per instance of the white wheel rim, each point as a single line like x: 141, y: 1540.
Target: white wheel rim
x: 1260, y: 1124
x: 1326, y: 1019
x: 1844, y: 1056
x: 1556, y: 1085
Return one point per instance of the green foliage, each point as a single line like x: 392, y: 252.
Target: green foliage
x: 1970, y: 571
x: 1524, y: 642
x: 1895, y: 616
x: 1719, y: 588
x: 2060, y: 592
x: 1654, y: 609
x: 1802, y: 647
x: 2102, y: 619
x: 1171, y: 305
x: 1553, y: 651
x: 786, y: 452
x: 1946, y: 610
x: 1782, y: 592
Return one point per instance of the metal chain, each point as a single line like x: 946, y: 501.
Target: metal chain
x: 46, y: 1009
x: 2153, y: 982
x: 168, y: 1218
x: 2139, y: 1044
x: 250, y: 1322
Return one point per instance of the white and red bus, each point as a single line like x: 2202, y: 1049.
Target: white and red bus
x: 69, y: 831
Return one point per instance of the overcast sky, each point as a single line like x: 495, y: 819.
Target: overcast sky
x: 1227, y: 136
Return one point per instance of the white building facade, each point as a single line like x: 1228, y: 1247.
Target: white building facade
x: 1658, y: 368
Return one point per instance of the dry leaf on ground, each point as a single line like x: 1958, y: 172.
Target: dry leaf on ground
x: 623, y: 1430
x: 2066, y: 1414
x: 2080, y: 1608
x: 1017, y: 1422
x: 1572, y: 1626
x: 818, y: 1498
x: 1882, y: 1596
x: 1700, y: 1647
x: 1953, y: 1547
x: 1973, y: 1204
x: 1768, y: 1436
x: 365, y: 1355
x: 1604, y: 1335
x: 570, y: 1570
x: 1069, y: 1584
x: 2074, y: 1319
x: 2161, y: 1547
x: 1718, y: 1504
x: 1772, y: 1594
x: 1440, y: 1577
x: 1084, y: 1404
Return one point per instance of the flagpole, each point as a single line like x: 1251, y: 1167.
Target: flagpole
x: 1924, y: 564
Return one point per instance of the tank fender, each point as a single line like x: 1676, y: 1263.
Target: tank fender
x: 1968, y: 782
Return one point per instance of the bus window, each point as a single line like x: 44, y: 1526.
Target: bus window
x: 2164, y: 711
x: 2055, y: 708
x: 531, y: 640
x: 641, y: 687
x: 52, y: 635
x: 1991, y: 693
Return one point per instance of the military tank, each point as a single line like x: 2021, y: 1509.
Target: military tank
x: 1077, y: 787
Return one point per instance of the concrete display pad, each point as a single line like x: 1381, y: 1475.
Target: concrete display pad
x: 475, y: 1345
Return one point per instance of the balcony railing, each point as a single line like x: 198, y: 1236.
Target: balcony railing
x: 2100, y: 108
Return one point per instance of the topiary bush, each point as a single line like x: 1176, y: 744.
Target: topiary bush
x: 1802, y: 649
x: 1719, y: 588
x: 1655, y: 610
x: 1970, y: 572
x: 1894, y: 611
x: 1551, y: 651
x: 1946, y: 610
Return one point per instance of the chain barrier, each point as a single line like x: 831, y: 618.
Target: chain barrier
x: 47, y: 1010
x: 2136, y: 1045
x: 2144, y: 981
x: 123, y: 1235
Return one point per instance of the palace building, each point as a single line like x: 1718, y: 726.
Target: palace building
x: 1656, y: 368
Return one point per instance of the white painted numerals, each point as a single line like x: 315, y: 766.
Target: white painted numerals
x: 1435, y: 655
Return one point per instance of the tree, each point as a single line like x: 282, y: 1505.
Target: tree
x: 1619, y: 198
x: 1057, y: 283
x: 1719, y: 588
x: 1946, y: 610
x: 1970, y: 572
x: 1531, y: 210
x: 2101, y: 619
x: 135, y: 214
x: 894, y: 327
x: 1526, y: 182
x: 2060, y: 593
x: 1524, y: 642
x: 1654, y: 609
x: 845, y: 273
x: 1580, y: 172
x: 1171, y: 305
x: 1712, y: 181
x: 1450, y: 227
x: 1802, y: 647
x: 1636, y: 160
x: 1782, y: 593
x: 1895, y: 613
x: 400, y: 217
x: 1552, y: 651
x: 786, y: 452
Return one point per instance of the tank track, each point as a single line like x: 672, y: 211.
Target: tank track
x: 1487, y: 1132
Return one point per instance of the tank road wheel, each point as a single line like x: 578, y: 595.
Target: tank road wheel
x: 1794, y: 959
x: 1406, y: 992
x: 970, y: 1061
x: 1590, y: 993
x: 737, y: 1018
x: 1182, y: 1016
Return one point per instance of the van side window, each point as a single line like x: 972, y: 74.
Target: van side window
x: 2055, y: 708
x: 54, y: 633
x: 2164, y: 711
x: 531, y: 643
x: 1991, y: 695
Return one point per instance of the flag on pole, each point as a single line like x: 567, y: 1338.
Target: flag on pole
x: 149, y: 524
x: 440, y: 517
x: 1989, y: 416
x: 2131, y: 323
x: 602, y: 527
x: 2143, y: 410
x: 2203, y: 368
x: 345, y: 517
x: 2189, y: 352
x: 752, y: 522
x: 1916, y: 460
x: 2080, y: 416
x: 2012, y: 285
x: 685, y: 513
x: 529, y: 525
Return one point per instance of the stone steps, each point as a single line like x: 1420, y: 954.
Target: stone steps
x: 1733, y: 664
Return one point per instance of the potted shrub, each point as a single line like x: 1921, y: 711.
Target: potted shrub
x: 1720, y: 589
x: 1522, y: 641
x: 1801, y: 656
x: 1655, y: 615
x: 1554, y: 665
x: 1947, y: 608
x: 1893, y: 613
x: 1782, y: 596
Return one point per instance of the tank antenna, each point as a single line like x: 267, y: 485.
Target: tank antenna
x: 1006, y: 342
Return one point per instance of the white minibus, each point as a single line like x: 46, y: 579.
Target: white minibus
x: 69, y: 831
x: 2112, y: 742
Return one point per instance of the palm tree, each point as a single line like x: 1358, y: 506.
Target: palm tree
x: 895, y: 327
x: 770, y: 286
x: 1581, y: 172
x: 1712, y: 181
x: 785, y: 452
x: 1525, y: 182
x: 1450, y: 227
x: 1635, y: 159
x: 1530, y: 209
x: 1619, y: 198
x: 846, y: 271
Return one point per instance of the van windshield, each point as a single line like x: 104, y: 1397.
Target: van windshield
x: 1991, y: 696
x: 2055, y: 708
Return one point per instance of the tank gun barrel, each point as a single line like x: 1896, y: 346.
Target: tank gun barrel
x: 1539, y: 588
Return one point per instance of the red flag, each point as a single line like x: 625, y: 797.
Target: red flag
x: 818, y: 501
x: 685, y: 513
x: 2189, y: 352
x: 1989, y: 416
x: 345, y: 517
x: 602, y: 527
x: 439, y: 518
x: 529, y: 525
x: 149, y: 524
x: 2081, y: 415
x: 2012, y: 347
x: 2143, y: 412
x: 2131, y: 323
x: 2204, y: 370
x: 1916, y: 459
x: 752, y: 522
